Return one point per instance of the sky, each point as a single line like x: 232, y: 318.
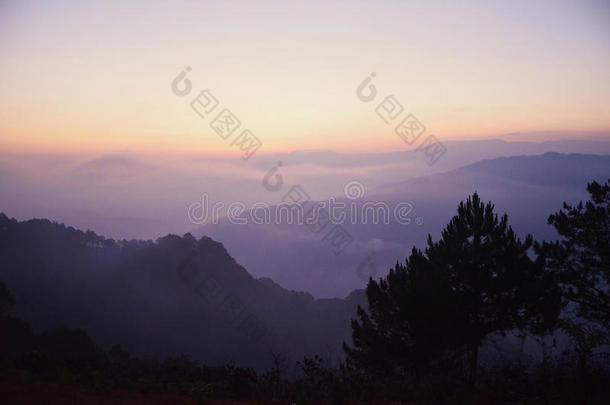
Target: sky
x: 91, y: 77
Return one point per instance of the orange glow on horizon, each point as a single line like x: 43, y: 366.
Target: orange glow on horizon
x: 88, y: 78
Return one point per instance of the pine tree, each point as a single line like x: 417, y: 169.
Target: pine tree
x: 478, y: 279
x: 582, y: 258
x: 412, y: 320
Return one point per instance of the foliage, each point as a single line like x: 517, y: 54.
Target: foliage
x: 408, y: 345
x: 582, y: 257
x: 476, y: 280
x: 7, y: 301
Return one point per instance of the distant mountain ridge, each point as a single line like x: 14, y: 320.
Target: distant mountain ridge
x: 527, y: 187
x: 486, y: 149
x: 548, y: 169
x: 126, y: 195
x: 175, y: 295
x: 186, y: 295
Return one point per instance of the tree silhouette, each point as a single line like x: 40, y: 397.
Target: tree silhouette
x: 582, y: 258
x: 412, y: 319
x: 6, y: 299
x: 476, y: 280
